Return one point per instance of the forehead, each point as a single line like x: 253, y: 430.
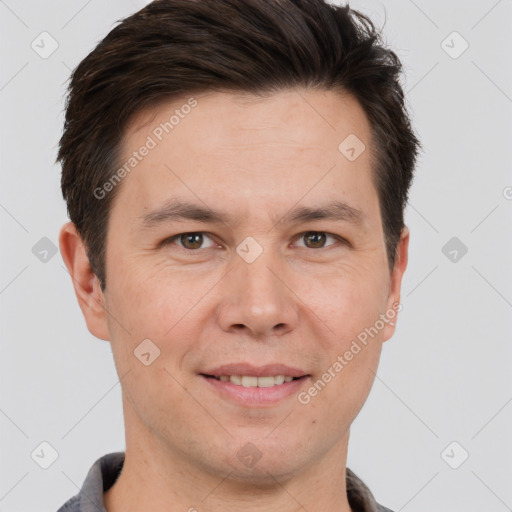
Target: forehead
x: 213, y: 120
x: 260, y: 151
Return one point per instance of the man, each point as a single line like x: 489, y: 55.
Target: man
x: 236, y: 173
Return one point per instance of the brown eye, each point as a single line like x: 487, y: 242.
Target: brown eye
x: 314, y: 239
x: 191, y: 240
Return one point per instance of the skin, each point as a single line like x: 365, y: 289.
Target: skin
x: 298, y: 303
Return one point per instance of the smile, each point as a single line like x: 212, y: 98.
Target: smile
x: 250, y: 381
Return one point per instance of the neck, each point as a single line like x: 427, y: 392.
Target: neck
x: 161, y: 478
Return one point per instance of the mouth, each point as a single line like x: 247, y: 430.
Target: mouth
x: 251, y: 381
x: 252, y: 386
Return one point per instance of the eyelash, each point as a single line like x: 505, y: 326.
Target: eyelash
x: 173, y: 238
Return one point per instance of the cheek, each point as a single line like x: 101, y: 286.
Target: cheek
x: 351, y: 307
x: 350, y: 302
x: 169, y: 312
x: 351, y: 361
x: 350, y: 388
x: 147, y: 304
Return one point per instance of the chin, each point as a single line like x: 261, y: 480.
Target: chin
x: 263, y: 474
x: 262, y: 461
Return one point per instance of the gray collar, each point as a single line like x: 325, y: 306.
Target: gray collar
x: 105, y: 470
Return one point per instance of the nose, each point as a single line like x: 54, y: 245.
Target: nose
x: 257, y: 298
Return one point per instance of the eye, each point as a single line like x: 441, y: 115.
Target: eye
x: 189, y: 241
x: 194, y: 241
x: 316, y: 239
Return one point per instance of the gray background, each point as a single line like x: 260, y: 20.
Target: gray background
x: 445, y: 375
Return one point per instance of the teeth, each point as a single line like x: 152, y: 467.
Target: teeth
x: 249, y: 381
x: 266, y: 382
x: 279, y: 379
x: 235, y: 379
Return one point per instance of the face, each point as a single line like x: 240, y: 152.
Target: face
x: 257, y: 284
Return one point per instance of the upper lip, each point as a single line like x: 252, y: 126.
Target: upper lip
x: 255, y: 371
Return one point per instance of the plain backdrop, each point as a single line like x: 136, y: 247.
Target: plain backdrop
x: 444, y: 388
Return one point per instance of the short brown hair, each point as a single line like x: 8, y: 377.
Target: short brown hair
x: 175, y: 47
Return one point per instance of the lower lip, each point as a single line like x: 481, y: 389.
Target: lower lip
x: 254, y: 397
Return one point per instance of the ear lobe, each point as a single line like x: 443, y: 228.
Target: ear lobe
x: 85, y: 282
x: 393, y: 303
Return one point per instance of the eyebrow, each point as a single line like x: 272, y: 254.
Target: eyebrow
x: 175, y: 211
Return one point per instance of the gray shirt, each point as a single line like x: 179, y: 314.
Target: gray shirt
x: 105, y: 470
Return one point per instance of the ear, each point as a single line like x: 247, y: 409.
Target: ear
x: 393, y: 302
x: 87, y: 286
